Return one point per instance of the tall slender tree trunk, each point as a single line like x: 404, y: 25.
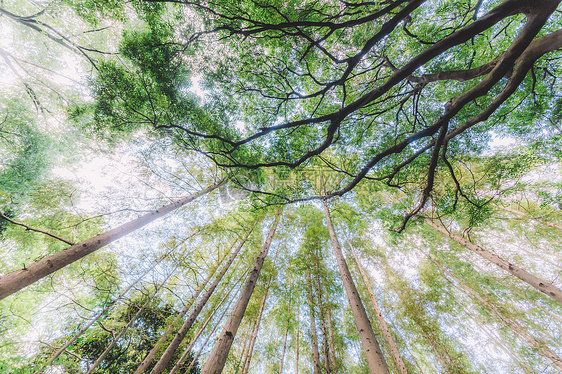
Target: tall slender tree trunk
x: 217, y: 358
x: 208, y: 338
x: 538, y: 283
x: 313, y: 337
x: 30, y: 274
x: 180, y: 335
x: 384, y: 326
x: 171, y: 328
x: 127, y: 326
x: 520, y: 330
x: 246, y: 347
x: 282, y: 360
x: 506, y: 349
x: 256, y: 329
x: 325, y: 344
x: 98, y: 316
x: 436, y: 348
x: 434, y: 343
x: 330, y: 332
x: 184, y: 355
x: 525, y: 215
x: 515, y: 291
x: 297, y: 343
x: 371, y: 348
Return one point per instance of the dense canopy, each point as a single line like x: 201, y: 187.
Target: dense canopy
x: 264, y: 186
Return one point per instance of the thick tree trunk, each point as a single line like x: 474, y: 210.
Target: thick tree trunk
x: 520, y: 330
x: 313, y: 337
x: 217, y: 358
x: 171, y: 328
x: 538, y: 283
x: 208, y: 338
x: 184, y: 355
x: 180, y: 335
x: 373, y: 353
x: 386, y: 331
x: 22, y: 278
x: 256, y: 329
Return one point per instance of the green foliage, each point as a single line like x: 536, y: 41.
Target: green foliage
x: 131, y: 348
x: 25, y: 152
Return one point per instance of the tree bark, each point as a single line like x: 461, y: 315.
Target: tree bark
x: 435, y: 344
x: 313, y: 337
x: 297, y: 343
x: 256, y: 329
x: 282, y: 360
x: 171, y: 328
x: 30, y: 274
x: 325, y: 344
x: 208, y: 337
x: 373, y: 353
x: 122, y: 332
x: 386, y: 331
x: 520, y: 330
x: 331, y: 333
x: 538, y: 283
x: 180, y: 335
x: 515, y: 291
x: 217, y: 358
x: 97, y: 316
x: 194, y: 340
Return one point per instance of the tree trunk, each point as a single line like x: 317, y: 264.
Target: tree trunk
x: 386, y: 331
x: 245, y: 348
x: 217, y: 358
x: 22, y: 278
x: 194, y: 340
x: 98, y: 316
x: 506, y: 349
x: 515, y: 291
x: 436, y: 345
x: 256, y: 329
x: 171, y: 328
x: 124, y: 330
x: 313, y: 337
x: 538, y: 283
x: 297, y: 343
x: 325, y: 344
x: 282, y: 360
x: 373, y: 353
x: 520, y: 330
x: 180, y: 335
x: 207, y: 339
x: 331, y: 333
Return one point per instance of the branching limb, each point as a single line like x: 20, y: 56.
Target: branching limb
x: 2, y: 216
